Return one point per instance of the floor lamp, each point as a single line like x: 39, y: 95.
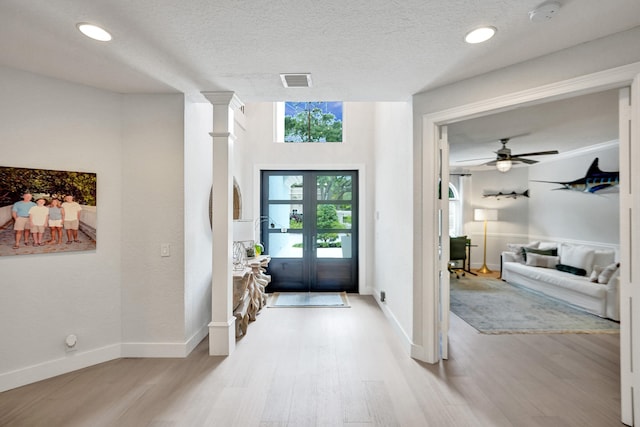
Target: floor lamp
x: 485, y: 215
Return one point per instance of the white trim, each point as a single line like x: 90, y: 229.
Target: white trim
x: 76, y: 360
x: 154, y: 349
x: 405, y: 339
x: 424, y: 283
x: 590, y: 83
x: 222, y: 337
x: 51, y: 368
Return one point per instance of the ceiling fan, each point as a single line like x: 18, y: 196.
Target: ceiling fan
x: 504, y: 159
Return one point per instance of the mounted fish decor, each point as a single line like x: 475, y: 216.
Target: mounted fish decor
x: 595, y: 180
x: 512, y: 195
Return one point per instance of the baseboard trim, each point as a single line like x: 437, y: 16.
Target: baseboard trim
x: 196, y: 339
x: 406, y: 341
x: 79, y: 360
x: 52, y: 368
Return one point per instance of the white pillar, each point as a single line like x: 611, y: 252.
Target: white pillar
x: 222, y: 338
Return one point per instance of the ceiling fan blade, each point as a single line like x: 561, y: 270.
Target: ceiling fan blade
x: 537, y: 153
x: 520, y: 159
x: 473, y: 160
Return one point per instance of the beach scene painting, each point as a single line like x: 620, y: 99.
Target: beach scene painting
x: 46, y: 211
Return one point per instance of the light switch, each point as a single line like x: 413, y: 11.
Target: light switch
x: 165, y: 249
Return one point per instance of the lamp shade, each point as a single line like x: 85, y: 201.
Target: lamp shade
x: 243, y: 230
x: 485, y: 214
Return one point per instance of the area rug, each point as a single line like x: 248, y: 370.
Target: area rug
x: 309, y: 299
x: 495, y: 307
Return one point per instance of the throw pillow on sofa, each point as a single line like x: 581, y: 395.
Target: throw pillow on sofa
x: 548, y: 245
x: 516, y: 248
x: 607, y: 272
x: 545, y: 261
x: 595, y: 273
x: 548, y: 252
x: 577, y: 256
x: 571, y: 269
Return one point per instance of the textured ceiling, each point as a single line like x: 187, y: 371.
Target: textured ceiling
x: 356, y: 50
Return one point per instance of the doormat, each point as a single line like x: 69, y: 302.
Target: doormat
x: 309, y: 299
x: 495, y: 307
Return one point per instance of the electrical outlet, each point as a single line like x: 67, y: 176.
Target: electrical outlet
x: 165, y: 249
x: 70, y: 343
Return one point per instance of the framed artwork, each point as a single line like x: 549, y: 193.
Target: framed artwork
x: 47, y: 211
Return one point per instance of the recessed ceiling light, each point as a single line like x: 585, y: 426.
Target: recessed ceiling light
x: 480, y: 35
x: 94, y: 32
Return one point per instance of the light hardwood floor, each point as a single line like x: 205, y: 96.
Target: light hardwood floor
x: 340, y: 367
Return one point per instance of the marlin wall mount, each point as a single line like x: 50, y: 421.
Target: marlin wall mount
x: 595, y: 180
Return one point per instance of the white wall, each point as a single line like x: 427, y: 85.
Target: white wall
x: 152, y: 212
x: 52, y: 124
x: 548, y: 214
x: 122, y: 299
x: 242, y: 161
x: 380, y: 131
x: 572, y: 215
x: 198, y: 149
x: 513, y: 214
x: 356, y: 152
x: 393, y: 216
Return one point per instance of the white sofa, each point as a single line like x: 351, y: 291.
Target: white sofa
x: 596, y: 292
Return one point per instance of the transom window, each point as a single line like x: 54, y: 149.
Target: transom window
x: 310, y: 121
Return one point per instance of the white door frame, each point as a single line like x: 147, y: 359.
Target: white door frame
x: 426, y: 293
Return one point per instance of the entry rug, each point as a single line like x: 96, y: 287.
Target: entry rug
x: 495, y: 307
x: 308, y: 299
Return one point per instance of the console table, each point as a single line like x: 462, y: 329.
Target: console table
x: 249, y: 292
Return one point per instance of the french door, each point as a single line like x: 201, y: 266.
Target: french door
x: 309, y: 226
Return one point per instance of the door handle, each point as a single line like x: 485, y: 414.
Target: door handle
x: 313, y: 242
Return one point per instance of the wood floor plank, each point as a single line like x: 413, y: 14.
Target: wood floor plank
x: 340, y: 367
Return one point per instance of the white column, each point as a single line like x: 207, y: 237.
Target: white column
x: 222, y: 340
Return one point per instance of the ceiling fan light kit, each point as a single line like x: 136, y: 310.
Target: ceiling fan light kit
x: 504, y: 165
x: 504, y: 159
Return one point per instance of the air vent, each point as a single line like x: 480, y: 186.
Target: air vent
x: 296, y: 80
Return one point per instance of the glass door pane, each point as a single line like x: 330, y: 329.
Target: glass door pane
x: 309, y: 229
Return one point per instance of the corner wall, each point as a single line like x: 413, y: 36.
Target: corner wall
x: 123, y: 299
x: 51, y: 124
x: 153, y: 306
x: 356, y: 152
x: 393, y: 216
x: 198, y: 149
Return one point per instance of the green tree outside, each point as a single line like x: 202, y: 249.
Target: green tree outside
x: 311, y: 124
x: 14, y: 182
x: 328, y: 219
